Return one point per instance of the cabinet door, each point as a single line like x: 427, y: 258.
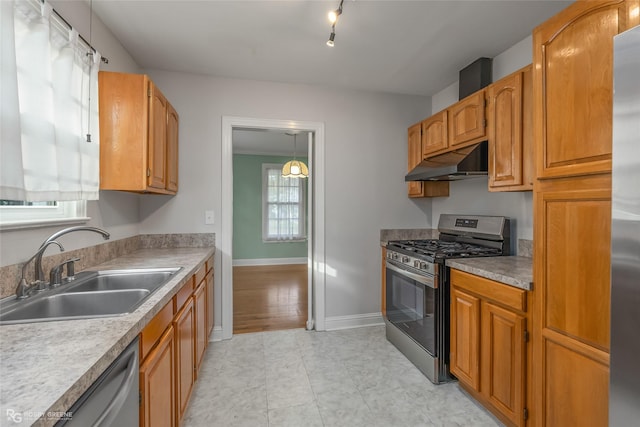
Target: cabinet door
x: 157, y: 145
x: 415, y: 157
x: 209, y: 301
x: 503, y: 361
x: 465, y: 338
x: 510, y: 133
x: 172, y: 148
x: 466, y: 120
x: 157, y: 384
x: 185, y: 357
x: 572, y: 300
x: 434, y: 134
x: 573, y: 87
x: 200, y: 303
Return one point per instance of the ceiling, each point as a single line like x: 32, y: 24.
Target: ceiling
x: 404, y: 47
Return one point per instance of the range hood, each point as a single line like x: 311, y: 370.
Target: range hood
x: 467, y: 162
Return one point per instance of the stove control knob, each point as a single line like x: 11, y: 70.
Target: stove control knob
x: 389, y: 255
x: 416, y: 263
x: 395, y: 256
x: 423, y: 265
x: 405, y: 259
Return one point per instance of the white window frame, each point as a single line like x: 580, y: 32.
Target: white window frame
x: 16, y: 217
x: 302, y: 236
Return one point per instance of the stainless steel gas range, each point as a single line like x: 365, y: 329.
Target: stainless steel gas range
x: 417, y: 286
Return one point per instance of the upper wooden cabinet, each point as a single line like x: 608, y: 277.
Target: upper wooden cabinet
x: 467, y: 121
x: 510, y: 132
x: 573, y: 86
x: 138, y: 135
x: 416, y: 147
x: 434, y: 134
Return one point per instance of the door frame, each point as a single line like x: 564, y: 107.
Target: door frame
x: 316, y: 247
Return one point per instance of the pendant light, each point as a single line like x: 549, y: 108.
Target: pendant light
x: 294, y: 168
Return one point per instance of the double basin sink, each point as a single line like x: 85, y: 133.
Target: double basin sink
x: 92, y: 294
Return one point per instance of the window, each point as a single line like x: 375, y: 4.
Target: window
x: 19, y: 214
x: 283, y: 206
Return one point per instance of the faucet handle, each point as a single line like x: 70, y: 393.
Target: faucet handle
x: 55, y: 276
x: 71, y: 268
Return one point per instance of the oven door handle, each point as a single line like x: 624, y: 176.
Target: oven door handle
x: 425, y: 280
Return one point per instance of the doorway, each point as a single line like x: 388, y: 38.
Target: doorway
x: 315, y: 252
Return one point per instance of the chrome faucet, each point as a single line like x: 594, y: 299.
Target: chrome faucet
x: 54, y: 236
x: 23, y: 289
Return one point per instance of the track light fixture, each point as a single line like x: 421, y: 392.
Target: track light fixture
x: 332, y: 36
x: 333, y: 18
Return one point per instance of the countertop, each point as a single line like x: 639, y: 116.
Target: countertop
x: 45, y: 367
x: 512, y: 270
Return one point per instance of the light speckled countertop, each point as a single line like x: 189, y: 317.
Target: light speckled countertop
x: 46, y: 366
x: 512, y: 270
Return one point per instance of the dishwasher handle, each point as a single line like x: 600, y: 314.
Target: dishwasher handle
x: 115, y: 405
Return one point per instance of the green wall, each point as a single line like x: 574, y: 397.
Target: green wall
x: 247, y: 211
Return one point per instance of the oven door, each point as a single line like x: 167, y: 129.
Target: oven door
x: 411, y: 304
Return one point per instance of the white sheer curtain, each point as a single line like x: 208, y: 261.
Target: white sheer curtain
x: 47, y: 77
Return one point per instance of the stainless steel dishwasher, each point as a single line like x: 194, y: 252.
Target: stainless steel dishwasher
x: 112, y: 400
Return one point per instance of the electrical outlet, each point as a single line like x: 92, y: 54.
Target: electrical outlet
x: 209, y: 217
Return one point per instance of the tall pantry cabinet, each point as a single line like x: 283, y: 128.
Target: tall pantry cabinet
x: 573, y: 85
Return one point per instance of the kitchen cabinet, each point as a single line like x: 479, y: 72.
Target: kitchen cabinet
x: 465, y: 337
x: 573, y: 84
x: 209, y: 289
x: 138, y: 135
x: 434, y: 134
x: 157, y: 384
x: 489, y: 344
x: 467, y: 123
x: 418, y: 188
x: 184, y: 325
x: 200, y: 318
x: 510, y: 132
x: 172, y: 348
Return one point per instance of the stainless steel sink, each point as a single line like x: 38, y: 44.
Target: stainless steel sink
x: 115, y: 280
x: 93, y: 294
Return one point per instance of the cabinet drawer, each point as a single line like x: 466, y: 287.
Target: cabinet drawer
x: 506, y: 295
x: 154, y: 329
x: 199, y: 275
x: 184, y: 293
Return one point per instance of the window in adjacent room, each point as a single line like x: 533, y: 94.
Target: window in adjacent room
x: 283, y: 206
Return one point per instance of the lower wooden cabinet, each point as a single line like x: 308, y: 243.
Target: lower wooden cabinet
x: 209, y: 302
x: 184, y: 325
x: 157, y: 384
x: 200, y: 317
x: 465, y: 337
x: 172, y: 348
x: 489, y: 344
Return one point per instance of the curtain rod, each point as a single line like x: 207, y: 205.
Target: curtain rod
x: 69, y: 26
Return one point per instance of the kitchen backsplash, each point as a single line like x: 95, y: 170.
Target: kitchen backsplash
x: 94, y: 255
x: 525, y: 248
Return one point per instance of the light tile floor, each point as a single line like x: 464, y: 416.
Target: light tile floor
x: 298, y: 378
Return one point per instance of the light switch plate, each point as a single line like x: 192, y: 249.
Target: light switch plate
x: 209, y: 217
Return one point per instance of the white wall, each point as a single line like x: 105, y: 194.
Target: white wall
x: 115, y: 212
x: 366, y: 160
x: 471, y: 196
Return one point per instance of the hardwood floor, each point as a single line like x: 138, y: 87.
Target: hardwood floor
x: 269, y: 298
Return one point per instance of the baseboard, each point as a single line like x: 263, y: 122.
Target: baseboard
x: 216, y: 335
x: 353, y: 321
x: 269, y: 261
